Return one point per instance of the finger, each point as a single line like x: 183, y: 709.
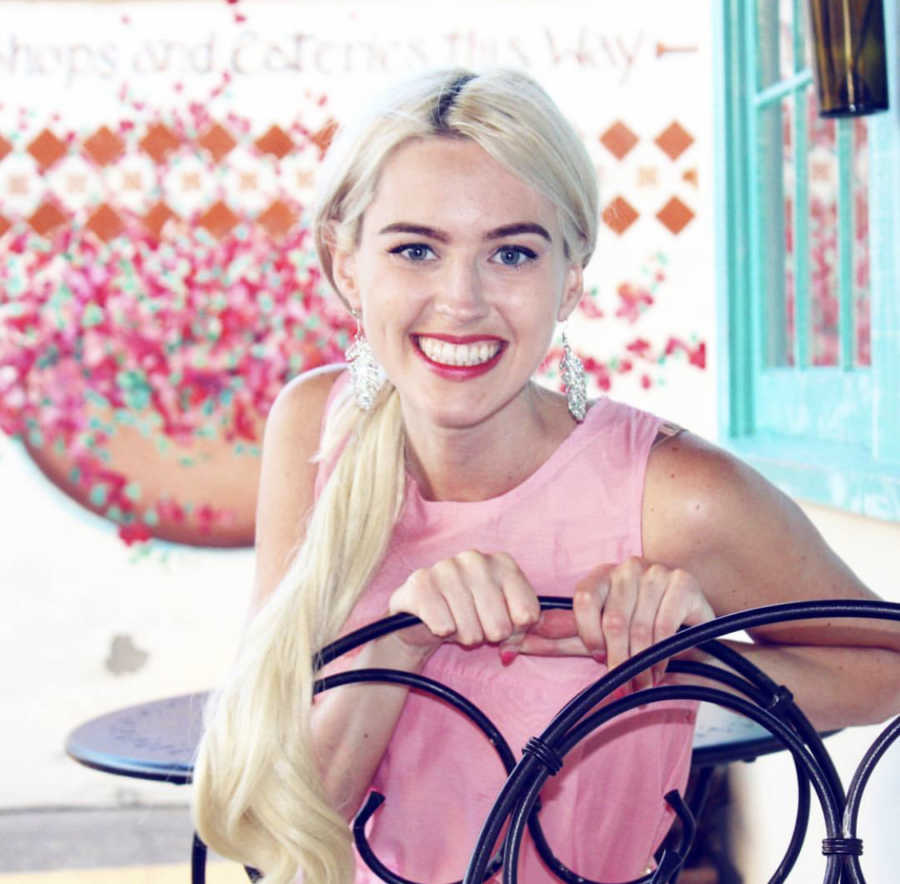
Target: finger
x: 458, y: 596
x: 652, y: 588
x: 521, y: 597
x: 540, y: 646
x: 522, y: 605
x: 618, y: 610
x: 476, y: 573
x: 683, y: 604
x: 588, y: 600
x: 418, y: 596
x: 555, y: 624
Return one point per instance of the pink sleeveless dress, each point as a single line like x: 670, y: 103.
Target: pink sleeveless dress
x: 603, y: 813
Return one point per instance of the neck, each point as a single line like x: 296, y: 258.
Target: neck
x: 477, y: 463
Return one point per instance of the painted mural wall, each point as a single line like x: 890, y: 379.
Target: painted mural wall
x: 158, y: 286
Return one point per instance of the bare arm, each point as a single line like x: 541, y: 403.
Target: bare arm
x: 287, y: 477
x: 749, y: 545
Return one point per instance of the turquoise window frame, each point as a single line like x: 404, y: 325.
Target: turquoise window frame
x: 829, y: 435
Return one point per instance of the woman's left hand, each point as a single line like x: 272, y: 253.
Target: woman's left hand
x: 619, y: 611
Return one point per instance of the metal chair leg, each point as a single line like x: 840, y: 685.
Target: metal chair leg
x: 198, y: 861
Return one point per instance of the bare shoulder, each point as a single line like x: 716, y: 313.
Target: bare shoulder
x: 300, y: 405
x: 748, y: 543
x: 690, y: 486
x: 288, y: 473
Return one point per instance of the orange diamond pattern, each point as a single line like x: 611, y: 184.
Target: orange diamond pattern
x: 46, y: 217
x: 275, y: 141
x: 104, y: 147
x: 105, y: 223
x: 156, y: 218
x: 675, y: 215
x: 674, y: 140
x: 619, y: 215
x: 618, y: 139
x: 47, y: 149
x: 322, y: 139
x: 218, y: 219
x: 278, y: 219
x: 218, y: 141
x: 159, y: 141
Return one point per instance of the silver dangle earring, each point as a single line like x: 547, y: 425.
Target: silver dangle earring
x: 574, y: 378
x: 366, y: 375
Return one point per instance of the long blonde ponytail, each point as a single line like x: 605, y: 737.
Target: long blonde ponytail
x: 258, y: 796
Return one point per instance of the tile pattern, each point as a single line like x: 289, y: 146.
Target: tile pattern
x: 47, y: 149
x: 276, y: 142
x: 223, y: 176
x: 218, y: 141
x: 618, y: 139
x: 674, y: 140
x: 635, y: 166
x: 675, y: 215
x: 159, y: 142
x: 217, y: 179
x: 619, y: 215
x: 104, y: 147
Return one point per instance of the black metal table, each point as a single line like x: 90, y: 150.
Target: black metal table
x: 157, y: 741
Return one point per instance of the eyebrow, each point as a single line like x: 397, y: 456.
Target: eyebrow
x: 440, y: 236
x: 515, y: 229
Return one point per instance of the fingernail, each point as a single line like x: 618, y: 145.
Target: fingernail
x: 507, y: 655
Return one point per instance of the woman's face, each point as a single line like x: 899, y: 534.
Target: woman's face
x: 460, y: 275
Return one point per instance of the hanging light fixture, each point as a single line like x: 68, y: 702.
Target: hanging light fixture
x: 849, y: 49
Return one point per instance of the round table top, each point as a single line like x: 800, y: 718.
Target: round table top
x: 157, y: 740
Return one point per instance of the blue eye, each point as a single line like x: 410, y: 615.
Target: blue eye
x: 513, y: 256
x: 414, y: 252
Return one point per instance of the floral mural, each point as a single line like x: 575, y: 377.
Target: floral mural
x: 158, y: 284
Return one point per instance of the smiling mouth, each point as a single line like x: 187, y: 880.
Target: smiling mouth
x: 458, y: 355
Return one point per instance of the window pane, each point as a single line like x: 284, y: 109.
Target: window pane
x: 861, y: 304
x: 824, y: 308
x: 775, y: 41
x: 776, y: 197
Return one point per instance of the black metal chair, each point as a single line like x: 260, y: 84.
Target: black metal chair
x: 764, y: 701
x: 757, y: 697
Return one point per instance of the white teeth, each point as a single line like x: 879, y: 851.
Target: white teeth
x: 458, y: 354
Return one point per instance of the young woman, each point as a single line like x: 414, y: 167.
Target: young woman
x: 436, y: 478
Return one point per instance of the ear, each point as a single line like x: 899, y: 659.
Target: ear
x: 572, y: 293
x: 343, y: 269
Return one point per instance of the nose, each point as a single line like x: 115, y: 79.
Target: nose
x: 461, y: 295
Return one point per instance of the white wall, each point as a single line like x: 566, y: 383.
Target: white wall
x: 69, y: 586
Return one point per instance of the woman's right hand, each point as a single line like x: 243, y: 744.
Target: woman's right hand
x: 472, y: 598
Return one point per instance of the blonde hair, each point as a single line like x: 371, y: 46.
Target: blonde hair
x: 258, y: 795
